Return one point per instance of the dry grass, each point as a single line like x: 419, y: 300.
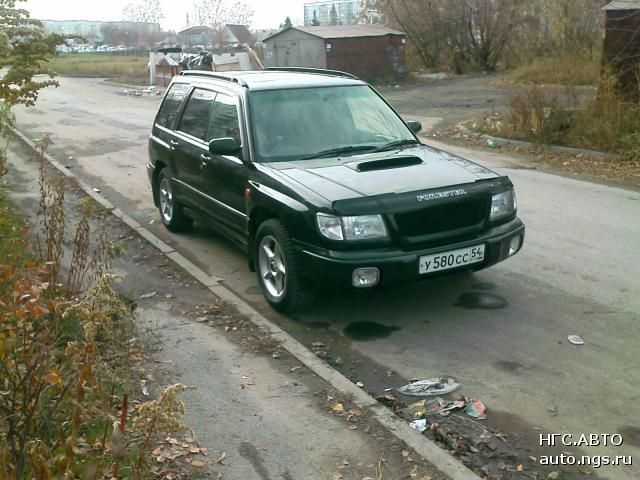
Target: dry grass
x: 122, y: 68
x: 70, y: 363
x: 566, y: 69
x: 608, y: 123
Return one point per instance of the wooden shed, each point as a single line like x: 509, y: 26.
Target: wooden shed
x: 368, y: 51
x: 622, y: 45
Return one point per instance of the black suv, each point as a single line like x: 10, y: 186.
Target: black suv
x: 319, y: 180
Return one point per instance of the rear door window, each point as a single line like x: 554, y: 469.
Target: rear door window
x: 171, y: 105
x: 196, y: 114
x: 224, y: 119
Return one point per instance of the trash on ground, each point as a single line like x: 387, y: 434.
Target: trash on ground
x: 430, y: 387
x: 419, y: 425
x: 575, y: 339
x: 491, y: 143
x: 360, y: 384
x: 145, y: 391
x: 97, y: 190
x: 335, y: 405
x: 475, y: 408
x: 148, y: 295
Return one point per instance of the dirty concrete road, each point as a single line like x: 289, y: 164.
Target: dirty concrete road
x: 267, y: 415
x: 501, y: 332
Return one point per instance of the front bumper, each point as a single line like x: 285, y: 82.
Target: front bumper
x: 398, y: 266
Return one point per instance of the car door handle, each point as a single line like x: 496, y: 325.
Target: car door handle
x: 203, y: 160
x: 175, y: 143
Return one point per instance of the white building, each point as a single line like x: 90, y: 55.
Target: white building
x: 348, y: 12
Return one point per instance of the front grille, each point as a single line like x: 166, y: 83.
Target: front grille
x: 442, y: 218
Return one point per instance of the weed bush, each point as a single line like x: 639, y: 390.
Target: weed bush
x: 66, y: 356
x: 561, y: 69
x: 608, y: 123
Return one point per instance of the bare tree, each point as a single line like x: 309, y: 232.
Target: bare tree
x: 481, y: 34
x: 209, y: 12
x: 148, y: 11
x: 215, y: 13
x: 239, y: 13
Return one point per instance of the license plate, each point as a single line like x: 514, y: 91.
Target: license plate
x: 453, y: 259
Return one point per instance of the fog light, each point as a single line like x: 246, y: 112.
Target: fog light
x: 514, y: 245
x: 365, y: 277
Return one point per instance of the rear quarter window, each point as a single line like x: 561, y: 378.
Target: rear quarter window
x: 171, y: 104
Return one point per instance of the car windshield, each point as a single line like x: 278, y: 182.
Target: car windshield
x: 320, y: 122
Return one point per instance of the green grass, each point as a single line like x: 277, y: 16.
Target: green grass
x: 558, y: 70
x: 121, y: 68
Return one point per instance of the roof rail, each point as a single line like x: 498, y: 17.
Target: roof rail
x: 319, y: 71
x: 219, y: 76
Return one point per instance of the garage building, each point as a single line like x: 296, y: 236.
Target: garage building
x: 368, y: 51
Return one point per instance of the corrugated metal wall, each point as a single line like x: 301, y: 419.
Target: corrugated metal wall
x: 294, y: 48
x: 367, y: 57
x: 622, y: 50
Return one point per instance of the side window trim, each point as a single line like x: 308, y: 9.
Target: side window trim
x: 180, y: 110
x: 236, y: 104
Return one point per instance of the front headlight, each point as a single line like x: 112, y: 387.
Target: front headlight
x: 503, y: 205
x: 330, y: 226
x: 361, y: 227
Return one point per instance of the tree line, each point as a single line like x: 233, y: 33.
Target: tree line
x: 467, y: 35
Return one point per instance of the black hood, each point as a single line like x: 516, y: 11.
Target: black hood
x: 409, y: 170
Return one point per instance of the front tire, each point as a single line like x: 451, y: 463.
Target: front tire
x: 278, y: 271
x: 171, y: 212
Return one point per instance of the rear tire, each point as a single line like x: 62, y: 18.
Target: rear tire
x: 171, y: 212
x: 278, y: 271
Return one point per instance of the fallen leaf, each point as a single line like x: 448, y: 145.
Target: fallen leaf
x: 519, y: 468
x: 197, y: 463
x: 53, y: 378
x: 335, y: 406
x: 220, y: 459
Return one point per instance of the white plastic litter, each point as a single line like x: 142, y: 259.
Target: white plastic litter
x: 430, y: 387
x: 419, y: 425
x: 575, y: 339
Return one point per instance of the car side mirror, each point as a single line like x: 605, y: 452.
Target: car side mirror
x: 224, y: 146
x: 414, y: 125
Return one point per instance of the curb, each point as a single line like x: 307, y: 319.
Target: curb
x: 553, y: 148
x: 426, y: 448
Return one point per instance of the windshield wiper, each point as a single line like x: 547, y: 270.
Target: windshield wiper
x: 339, y: 150
x: 396, y: 143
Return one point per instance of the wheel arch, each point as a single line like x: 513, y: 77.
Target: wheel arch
x: 159, y: 166
x: 257, y: 217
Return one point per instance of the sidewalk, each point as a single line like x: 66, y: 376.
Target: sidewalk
x: 256, y: 404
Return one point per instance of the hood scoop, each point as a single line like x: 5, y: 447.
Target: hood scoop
x: 384, y: 164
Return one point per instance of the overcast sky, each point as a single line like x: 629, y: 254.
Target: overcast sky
x: 268, y: 13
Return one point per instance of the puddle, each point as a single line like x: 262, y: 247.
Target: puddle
x: 631, y: 435
x: 509, y: 366
x: 484, y: 301
x: 366, y: 331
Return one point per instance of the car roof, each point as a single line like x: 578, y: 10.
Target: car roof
x: 274, y: 80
